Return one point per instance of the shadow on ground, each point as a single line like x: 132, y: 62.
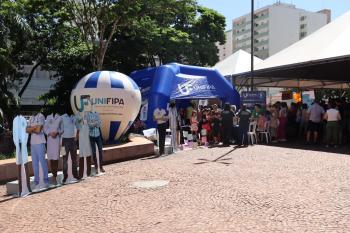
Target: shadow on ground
x: 344, y: 149
x: 219, y: 159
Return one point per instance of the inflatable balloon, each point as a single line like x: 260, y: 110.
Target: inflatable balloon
x: 115, y: 96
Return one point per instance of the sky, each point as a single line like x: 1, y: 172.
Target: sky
x: 232, y: 9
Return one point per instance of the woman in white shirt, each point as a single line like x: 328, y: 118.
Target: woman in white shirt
x: 332, y: 116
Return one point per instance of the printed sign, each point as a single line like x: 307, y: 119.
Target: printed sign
x: 250, y: 98
x: 192, y: 86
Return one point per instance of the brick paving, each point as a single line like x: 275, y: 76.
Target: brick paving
x: 255, y: 189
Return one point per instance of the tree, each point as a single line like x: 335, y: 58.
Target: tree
x: 168, y: 31
x: 14, y: 33
x: 98, y: 21
x: 47, y: 21
x: 325, y: 94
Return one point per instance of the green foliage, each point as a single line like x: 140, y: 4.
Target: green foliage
x: 72, y: 38
x: 7, y: 155
x: 13, y: 37
x: 325, y: 94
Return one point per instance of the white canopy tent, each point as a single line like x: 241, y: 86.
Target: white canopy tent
x: 321, y: 60
x: 236, y: 63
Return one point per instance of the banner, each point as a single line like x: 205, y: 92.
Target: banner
x: 250, y: 98
x: 192, y: 87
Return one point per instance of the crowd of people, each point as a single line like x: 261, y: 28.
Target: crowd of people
x: 321, y: 122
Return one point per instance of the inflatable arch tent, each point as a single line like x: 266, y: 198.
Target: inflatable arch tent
x: 174, y: 81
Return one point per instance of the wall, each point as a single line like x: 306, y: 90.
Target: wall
x: 283, y: 28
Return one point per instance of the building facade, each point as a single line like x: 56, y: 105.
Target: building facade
x: 276, y: 27
x: 226, y: 49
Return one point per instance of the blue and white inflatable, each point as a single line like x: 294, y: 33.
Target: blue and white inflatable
x: 180, y: 82
x: 115, y: 96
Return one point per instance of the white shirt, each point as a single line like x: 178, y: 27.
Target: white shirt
x: 159, y: 116
x: 20, y: 136
x: 332, y: 114
x: 315, y: 112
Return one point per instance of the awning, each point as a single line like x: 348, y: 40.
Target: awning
x: 321, y: 60
x: 237, y: 62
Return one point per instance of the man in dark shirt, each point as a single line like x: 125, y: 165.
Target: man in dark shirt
x: 227, y: 124
x: 244, y: 120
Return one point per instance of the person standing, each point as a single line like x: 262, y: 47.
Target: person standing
x: 37, y: 148
x: 69, y: 138
x: 189, y: 111
x: 94, y: 122
x: 53, y: 130
x: 244, y: 120
x: 216, y: 127
x: 281, y: 132
x: 333, y: 117
x: 273, y: 124
x: 194, y: 127
x: 159, y: 115
x: 84, y: 144
x: 315, y: 116
x: 303, y: 121
x: 173, y: 125
x: 227, y: 124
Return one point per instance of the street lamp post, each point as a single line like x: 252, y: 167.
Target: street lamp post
x: 252, y: 48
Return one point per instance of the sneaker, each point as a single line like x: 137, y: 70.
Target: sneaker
x: 102, y: 170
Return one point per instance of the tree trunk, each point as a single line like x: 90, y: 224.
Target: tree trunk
x: 29, y: 79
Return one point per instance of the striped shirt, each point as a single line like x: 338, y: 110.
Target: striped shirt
x: 94, y: 122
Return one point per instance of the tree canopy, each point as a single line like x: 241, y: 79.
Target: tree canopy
x: 72, y: 38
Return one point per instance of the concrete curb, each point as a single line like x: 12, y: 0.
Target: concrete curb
x: 138, y: 147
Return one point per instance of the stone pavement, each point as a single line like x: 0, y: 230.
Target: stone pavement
x: 255, y: 189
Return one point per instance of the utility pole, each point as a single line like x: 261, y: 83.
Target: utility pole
x: 252, y: 48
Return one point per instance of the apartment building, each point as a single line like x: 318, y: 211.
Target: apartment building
x: 275, y: 27
x: 226, y: 49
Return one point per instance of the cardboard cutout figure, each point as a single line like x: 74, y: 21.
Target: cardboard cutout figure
x: 38, y: 149
x: 53, y: 130
x: 94, y: 123
x: 70, y: 173
x: 85, y: 151
x: 20, y: 138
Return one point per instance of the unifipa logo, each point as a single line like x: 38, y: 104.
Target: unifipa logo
x: 86, y: 100
x: 188, y: 87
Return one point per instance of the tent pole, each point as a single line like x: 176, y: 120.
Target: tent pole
x: 252, y: 47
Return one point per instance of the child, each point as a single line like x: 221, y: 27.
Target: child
x: 261, y: 122
x: 205, y: 132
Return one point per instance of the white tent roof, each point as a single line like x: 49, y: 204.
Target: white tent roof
x: 236, y: 63
x: 332, y: 40
x: 321, y: 60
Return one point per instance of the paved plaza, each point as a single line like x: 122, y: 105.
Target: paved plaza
x: 254, y: 189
